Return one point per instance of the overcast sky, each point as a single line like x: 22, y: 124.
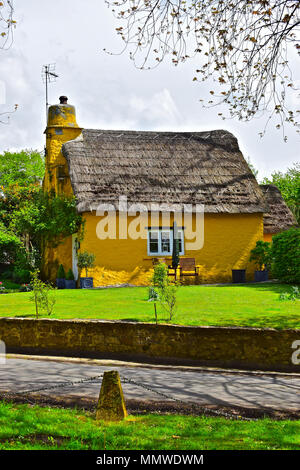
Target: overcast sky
x: 108, y: 91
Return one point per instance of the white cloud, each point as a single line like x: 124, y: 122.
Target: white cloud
x: 156, y: 111
x: 108, y: 91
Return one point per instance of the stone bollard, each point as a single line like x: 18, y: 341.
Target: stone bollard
x: 111, y: 404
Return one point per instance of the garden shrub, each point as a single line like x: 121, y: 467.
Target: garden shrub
x: 165, y: 291
x: 42, y: 295
x: 85, y: 261
x: 21, y: 276
x: 70, y: 275
x: 293, y: 295
x: 9, y: 245
x: 286, y: 255
x: 61, y: 272
x: 261, y: 255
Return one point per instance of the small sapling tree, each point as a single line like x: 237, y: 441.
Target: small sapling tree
x: 42, y: 295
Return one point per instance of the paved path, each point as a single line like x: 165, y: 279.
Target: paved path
x: 281, y: 392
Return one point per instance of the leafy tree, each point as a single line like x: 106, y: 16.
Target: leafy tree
x: 289, y: 185
x: 9, y: 244
x: 21, y: 174
x: 24, y: 168
x: 46, y: 219
x: 242, y: 44
x: 31, y: 215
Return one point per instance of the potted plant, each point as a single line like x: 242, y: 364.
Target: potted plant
x: 61, y: 278
x: 70, y: 280
x: 261, y: 255
x: 238, y: 276
x: 86, y: 261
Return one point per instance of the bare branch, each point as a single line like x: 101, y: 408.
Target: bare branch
x: 242, y: 45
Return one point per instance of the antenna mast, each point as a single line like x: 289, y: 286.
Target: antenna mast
x: 48, y: 76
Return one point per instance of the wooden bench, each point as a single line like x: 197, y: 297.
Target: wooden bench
x: 188, y: 267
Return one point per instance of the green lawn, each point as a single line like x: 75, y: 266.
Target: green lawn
x: 32, y: 427
x: 254, y: 305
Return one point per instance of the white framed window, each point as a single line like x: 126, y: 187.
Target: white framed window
x: 160, y: 242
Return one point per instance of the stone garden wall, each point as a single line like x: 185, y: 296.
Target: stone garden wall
x: 247, y: 348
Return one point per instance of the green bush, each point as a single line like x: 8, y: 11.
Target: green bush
x: 61, y: 272
x: 286, y: 255
x: 9, y: 245
x: 21, y: 276
x: 8, y: 274
x: 70, y: 275
x: 293, y: 295
x: 261, y: 255
x: 160, y: 275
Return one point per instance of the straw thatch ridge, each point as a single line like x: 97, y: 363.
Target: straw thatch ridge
x: 279, y: 217
x: 162, y: 167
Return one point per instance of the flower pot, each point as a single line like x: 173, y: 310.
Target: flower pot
x: 70, y: 284
x: 86, y: 283
x: 238, y: 276
x: 60, y: 283
x: 260, y: 276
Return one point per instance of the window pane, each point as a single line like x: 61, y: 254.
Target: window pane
x: 165, y: 242
x: 180, y: 237
x: 153, y: 242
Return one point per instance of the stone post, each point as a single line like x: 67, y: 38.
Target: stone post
x: 111, y: 403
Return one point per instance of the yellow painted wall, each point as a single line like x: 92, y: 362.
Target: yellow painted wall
x: 61, y: 128
x: 228, y: 240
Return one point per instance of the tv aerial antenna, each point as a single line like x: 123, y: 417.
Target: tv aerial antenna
x: 48, y: 76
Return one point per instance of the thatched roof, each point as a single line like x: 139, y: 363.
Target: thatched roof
x: 162, y: 167
x: 279, y: 217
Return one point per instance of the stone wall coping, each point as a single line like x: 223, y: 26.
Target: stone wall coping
x: 160, y: 325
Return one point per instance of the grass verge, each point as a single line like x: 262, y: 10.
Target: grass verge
x: 34, y: 427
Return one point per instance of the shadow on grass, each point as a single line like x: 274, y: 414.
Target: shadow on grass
x: 281, y: 322
x: 268, y: 286
x: 28, y: 315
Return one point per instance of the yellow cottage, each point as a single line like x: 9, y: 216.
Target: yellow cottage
x: 131, y: 186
